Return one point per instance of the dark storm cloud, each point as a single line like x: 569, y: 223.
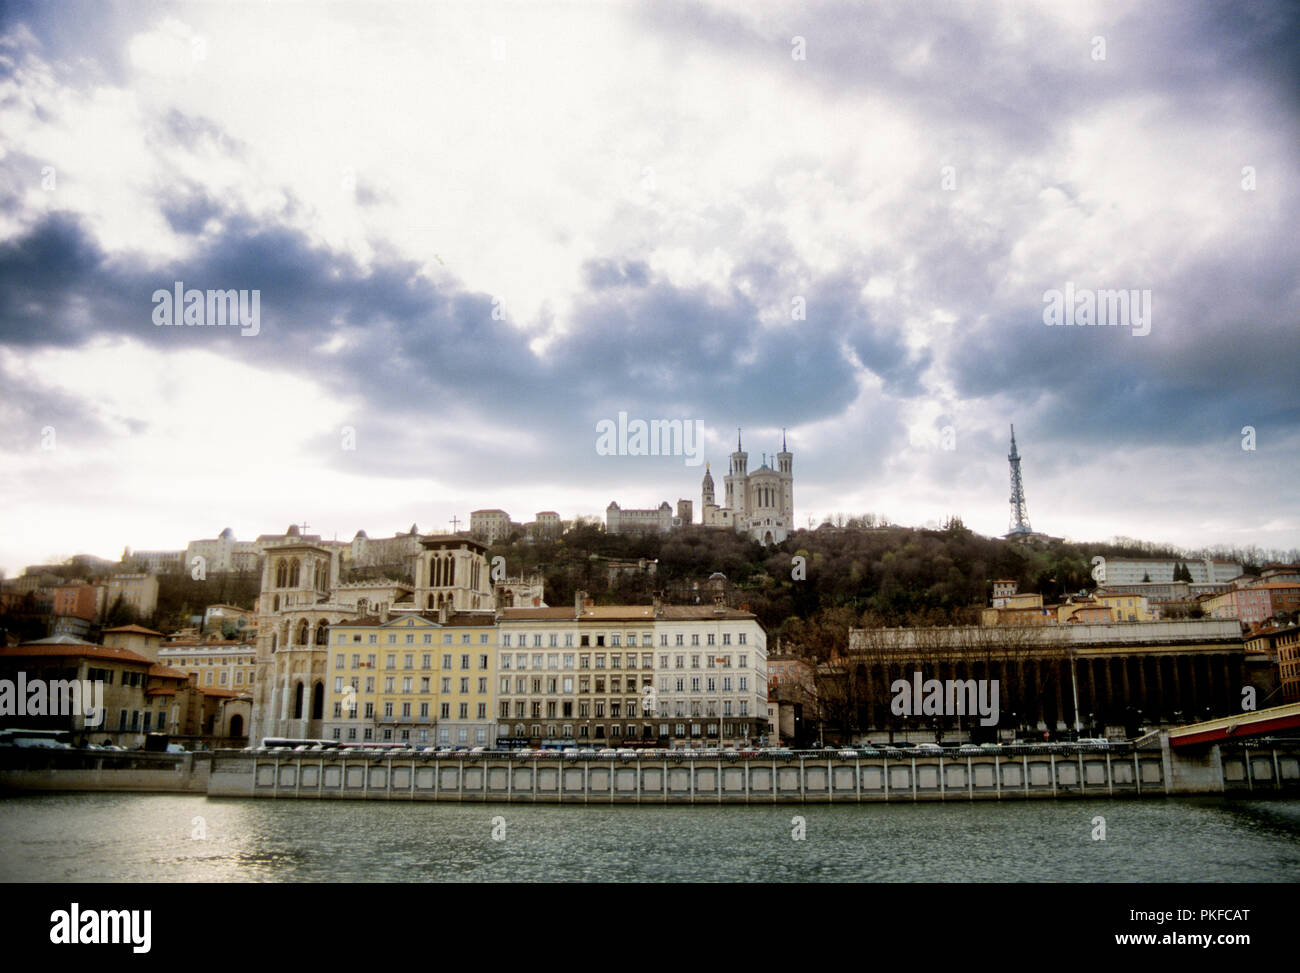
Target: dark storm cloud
x: 414, y: 345
x: 1010, y: 82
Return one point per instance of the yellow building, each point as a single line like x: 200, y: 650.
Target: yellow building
x: 417, y: 678
x: 1127, y: 608
x: 213, y: 663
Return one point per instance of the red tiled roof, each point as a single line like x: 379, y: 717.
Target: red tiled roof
x: 134, y: 630
x: 72, y: 651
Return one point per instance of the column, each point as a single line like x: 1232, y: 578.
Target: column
x: 1060, y: 707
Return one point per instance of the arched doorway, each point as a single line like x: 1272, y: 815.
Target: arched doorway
x: 318, y: 701
x: 236, y: 726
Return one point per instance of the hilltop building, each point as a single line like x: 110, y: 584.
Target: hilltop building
x: 760, y: 504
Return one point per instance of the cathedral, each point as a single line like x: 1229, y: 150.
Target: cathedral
x: 303, y: 594
x: 760, y: 504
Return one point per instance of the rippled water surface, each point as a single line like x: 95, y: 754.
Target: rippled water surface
x: 132, y: 838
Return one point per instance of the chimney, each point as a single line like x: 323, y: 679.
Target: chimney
x: 658, y: 604
x: 444, y: 613
x: 579, y: 603
x: 383, y: 611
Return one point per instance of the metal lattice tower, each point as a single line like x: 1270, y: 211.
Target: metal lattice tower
x: 1019, y: 515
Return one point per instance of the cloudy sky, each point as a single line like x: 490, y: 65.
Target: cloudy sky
x: 478, y: 229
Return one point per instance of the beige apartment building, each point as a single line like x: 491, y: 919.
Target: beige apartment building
x: 631, y: 675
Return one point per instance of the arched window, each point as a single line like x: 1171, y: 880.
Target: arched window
x: 362, y: 604
x: 275, y: 603
x: 322, y: 633
x: 318, y: 701
x: 297, y: 702
x: 304, y: 633
x: 431, y: 605
x: 281, y: 574
x: 295, y: 575
x: 273, y: 642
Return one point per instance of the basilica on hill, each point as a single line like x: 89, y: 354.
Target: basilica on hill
x: 760, y: 504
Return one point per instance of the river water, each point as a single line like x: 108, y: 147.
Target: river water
x: 165, y: 838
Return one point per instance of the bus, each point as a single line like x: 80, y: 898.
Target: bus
x: 36, y: 739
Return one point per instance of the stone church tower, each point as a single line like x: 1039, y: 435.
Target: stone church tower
x: 760, y: 504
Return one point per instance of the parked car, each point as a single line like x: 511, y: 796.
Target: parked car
x: 970, y: 748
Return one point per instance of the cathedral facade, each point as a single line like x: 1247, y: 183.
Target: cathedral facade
x: 303, y: 594
x: 759, y: 504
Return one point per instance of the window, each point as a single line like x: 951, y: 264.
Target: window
x: 568, y: 660
x: 712, y: 639
x: 483, y: 661
x: 726, y: 638
x: 356, y: 660
x: 338, y: 661
x: 446, y: 661
x: 482, y: 685
x: 464, y: 684
x: 505, y: 641
x: 390, y: 662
